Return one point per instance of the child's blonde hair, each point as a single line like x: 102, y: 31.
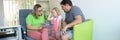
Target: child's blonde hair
x: 57, y: 10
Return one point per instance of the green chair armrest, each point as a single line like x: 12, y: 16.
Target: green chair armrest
x: 83, y: 31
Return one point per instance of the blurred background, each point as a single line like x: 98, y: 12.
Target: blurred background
x: 105, y: 14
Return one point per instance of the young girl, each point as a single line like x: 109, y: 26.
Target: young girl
x: 56, y: 21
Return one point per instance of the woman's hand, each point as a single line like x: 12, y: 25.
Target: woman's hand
x: 32, y: 28
x: 40, y: 28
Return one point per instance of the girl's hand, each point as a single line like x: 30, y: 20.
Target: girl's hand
x: 48, y: 18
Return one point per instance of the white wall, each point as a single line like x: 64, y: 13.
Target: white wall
x: 105, y: 14
x: 1, y: 13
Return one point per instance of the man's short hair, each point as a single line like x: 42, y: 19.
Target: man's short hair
x: 64, y: 2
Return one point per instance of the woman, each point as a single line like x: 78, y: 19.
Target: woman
x: 34, y: 24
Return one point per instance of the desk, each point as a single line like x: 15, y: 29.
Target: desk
x: 16, y: 28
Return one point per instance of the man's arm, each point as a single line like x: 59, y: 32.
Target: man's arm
x: 63, y: 23
x: 78, y: 19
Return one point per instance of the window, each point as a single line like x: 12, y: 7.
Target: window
x: 11, y: 10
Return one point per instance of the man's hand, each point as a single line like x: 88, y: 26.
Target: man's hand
x: 64, y: 30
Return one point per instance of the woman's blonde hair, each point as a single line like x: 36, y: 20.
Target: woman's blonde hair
x: 57, y: 10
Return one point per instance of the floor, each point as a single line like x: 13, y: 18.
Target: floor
x: 9, y: 38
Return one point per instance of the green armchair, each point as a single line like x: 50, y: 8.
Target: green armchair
x: 83, y: 31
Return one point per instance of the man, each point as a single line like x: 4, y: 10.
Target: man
x: 73, y: 16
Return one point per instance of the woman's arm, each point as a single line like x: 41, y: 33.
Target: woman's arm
x: 33, y: 28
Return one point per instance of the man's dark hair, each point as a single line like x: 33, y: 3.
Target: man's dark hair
x: 64, y: 2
